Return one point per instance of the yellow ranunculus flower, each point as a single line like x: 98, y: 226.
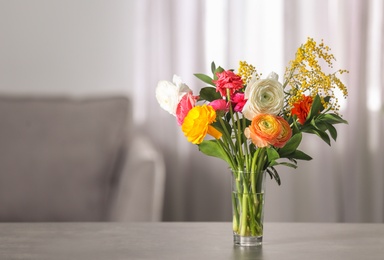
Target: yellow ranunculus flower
x: 197, y: 124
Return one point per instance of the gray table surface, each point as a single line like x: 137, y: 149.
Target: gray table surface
x: 188, y: 240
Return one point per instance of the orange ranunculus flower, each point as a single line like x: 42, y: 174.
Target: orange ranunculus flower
x: 197, y: 124
x: 302, y: 108
x: 285, y: 134
x: 264, y: 130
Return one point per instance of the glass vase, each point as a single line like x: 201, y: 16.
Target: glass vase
x: 248, y: 207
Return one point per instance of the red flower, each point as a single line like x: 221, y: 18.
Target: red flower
x: 238, y: 101
x: 219, y: 105
x: 302, y: 108
x: 228, y: 80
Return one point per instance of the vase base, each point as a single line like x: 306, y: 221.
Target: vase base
x: 247, y: 240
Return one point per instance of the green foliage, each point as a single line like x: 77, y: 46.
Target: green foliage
x: 212, y: 148
x: 299, y: 155
x: 220, y: 127
x: 291, y: 145
x: 315, y: 109
x: 215, y: 70
x: 319, y: 122
x: 205, y: 78
x: 274, y: 174
x: 322, y: 126
x: 273, y: 155
x: 209, y: 94
x: 332, y: 119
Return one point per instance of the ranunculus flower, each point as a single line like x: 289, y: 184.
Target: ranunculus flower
x: 197, y: 124
x: 264, y: 130
x: 219, y: 105
x: 285, y: 134
x: 238, y: 101
x: 169, y: 94
x: 265, y: 96
x: 302, y: 108
x: 228, y: 80
x: 186, y: 103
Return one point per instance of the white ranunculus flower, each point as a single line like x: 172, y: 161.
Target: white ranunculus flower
x: 263, y: 96
x: 169, y: 94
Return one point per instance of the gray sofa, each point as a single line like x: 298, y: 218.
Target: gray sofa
x: 76, y: 159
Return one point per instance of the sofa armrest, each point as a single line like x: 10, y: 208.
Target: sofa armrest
x: 140, y: 189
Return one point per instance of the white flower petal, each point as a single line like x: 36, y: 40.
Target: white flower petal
x: 273, y: 75
x: 169, y: 94
x: 264, y: 96
x: 182, y: 87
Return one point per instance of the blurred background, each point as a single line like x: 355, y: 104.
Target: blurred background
x: 95, y: 47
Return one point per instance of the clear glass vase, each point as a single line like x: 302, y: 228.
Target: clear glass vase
x: 248, y: 207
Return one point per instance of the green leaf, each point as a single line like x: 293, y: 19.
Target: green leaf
x: 228, y: 117
x: 274, y: 174
x: 213, y: 67
x: 291, y: 145
x: 219, y: 127
x: 299, y: 155
x: 293, y: 160
x: 272, y: 163
x: 218, y: 70
x: 323, y: 135
x: 333, y: 119
x: 295, y: 127
x: 318, y: 124
x: 252, y: 148
x: 327, y: 98
x: 209, y: 94
x: 292, y: 165
x: 272, y: 154
x: 213, y: 148
x: 204, y: 78
x: 315, y: 109
x: 332, y: 130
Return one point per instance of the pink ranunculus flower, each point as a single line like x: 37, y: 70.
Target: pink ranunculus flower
x: 219, y: 105
x: 186, y: 103
x: 238, y: 101
x: 228, y: 80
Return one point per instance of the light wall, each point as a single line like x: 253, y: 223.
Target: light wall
x: 71, y: 47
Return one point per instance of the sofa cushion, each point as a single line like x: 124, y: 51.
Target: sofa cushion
x: 57, y: 156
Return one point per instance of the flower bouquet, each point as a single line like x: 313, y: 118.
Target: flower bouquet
x: 256, y: 123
